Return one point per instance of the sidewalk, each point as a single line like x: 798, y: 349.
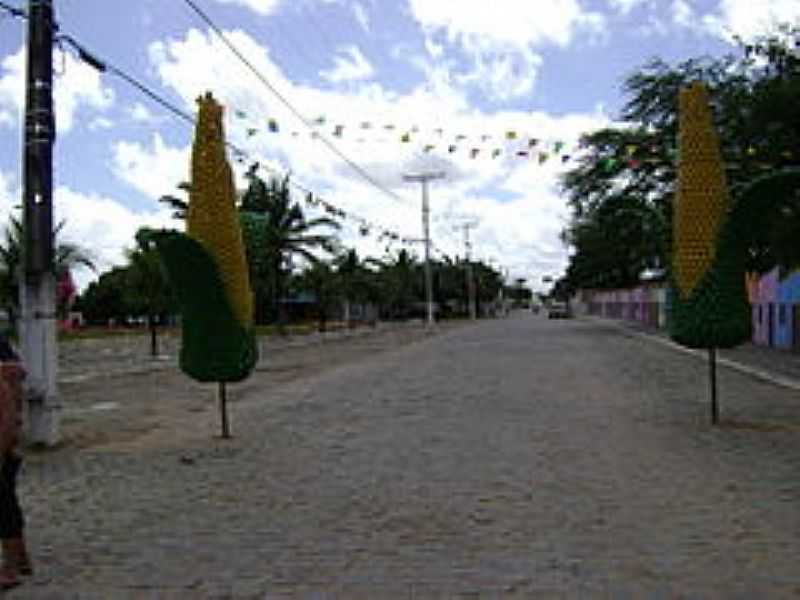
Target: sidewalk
x: 511, y: 458
x: 81, y: 360
x: 781, y: 367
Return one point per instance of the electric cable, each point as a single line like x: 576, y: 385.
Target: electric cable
x: 232, y: 47
x: 13, y: 11
x: 106, y: 67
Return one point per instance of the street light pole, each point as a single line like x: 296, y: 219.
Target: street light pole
x: 37, y: 288
x: 424, y: 178
x: 470, y: 280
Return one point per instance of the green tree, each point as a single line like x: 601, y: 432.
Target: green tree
x: 353, y: 281
x: 147, y: 289
x: 107, y: 298
x: 319, y: 278
x: 286, y: 233
x: 68, y: 256
x: 399, y: 284
x: 621, y: 190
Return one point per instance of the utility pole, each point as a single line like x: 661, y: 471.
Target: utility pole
x: 37, y: 285
x: 470, y: 280
x: 424, y: 178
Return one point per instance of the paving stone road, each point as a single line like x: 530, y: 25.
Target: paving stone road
x: 515, y: 458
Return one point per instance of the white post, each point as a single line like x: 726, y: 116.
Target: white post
x: 40, y: 355
x: 424, y: 178
x: 37, y: 280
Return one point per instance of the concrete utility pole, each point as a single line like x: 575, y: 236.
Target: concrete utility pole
x: 37, y: 288
x: 470, y: 279
x: 424, y: 178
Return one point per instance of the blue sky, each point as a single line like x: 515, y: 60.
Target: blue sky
x: 435, y: 69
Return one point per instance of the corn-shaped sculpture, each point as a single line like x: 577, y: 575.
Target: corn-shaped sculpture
x: 709, y: 303
x: 702, y: 198
x: 207, y: 266
x: 212, y: 219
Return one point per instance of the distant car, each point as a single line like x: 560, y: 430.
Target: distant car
x: 558, y: 310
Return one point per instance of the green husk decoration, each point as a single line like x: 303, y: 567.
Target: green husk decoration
x: 207, y: 266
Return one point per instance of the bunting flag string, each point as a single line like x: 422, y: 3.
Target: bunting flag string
x: 414, y: 134
x: 513, y: 144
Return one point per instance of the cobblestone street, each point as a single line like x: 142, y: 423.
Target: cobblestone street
x: 512, y: 458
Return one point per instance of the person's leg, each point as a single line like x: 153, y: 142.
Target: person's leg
x: 12, y: 524
x: 10, y: 521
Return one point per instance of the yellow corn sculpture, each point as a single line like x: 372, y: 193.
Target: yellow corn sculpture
x: 207, y: 267
x: 703, y: 199
x: 709, y: 304
x: 212, y: 219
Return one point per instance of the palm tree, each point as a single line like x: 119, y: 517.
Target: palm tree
x: 179, y: 207
x: 350, y: 280
x: 68, y: 255
x: 398, y: 278
x: 319, y: 278
x: 148, y: 284
x: 287, y: 233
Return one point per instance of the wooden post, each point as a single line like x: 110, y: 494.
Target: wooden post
x: 223, y: 411
x: 712, y: 371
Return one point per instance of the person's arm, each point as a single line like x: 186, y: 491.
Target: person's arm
x: 11, y: 376
x: 8, y: 419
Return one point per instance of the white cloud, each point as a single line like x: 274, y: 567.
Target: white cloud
x: 9, y: 194
x: 352, y: 67
x: 100, y: 123
x: 653, y: 26
x: 153, y: 170
x: 523, y: 228
x: 683, y: 14
x: 79, y: 86
x: 141, y: 114
x: 103, y: 225
x: 264, y: 7
x: 435, y: 50
x: 501, y: 37
x: 361, y: 16
x: 507, y: 21
x: 503, y: 73
x: 106, y: 222
x: 751, y: 17
x: 744, y: 18
x: 626, y: 6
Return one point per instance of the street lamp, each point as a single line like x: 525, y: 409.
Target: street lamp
x: 424, y: 178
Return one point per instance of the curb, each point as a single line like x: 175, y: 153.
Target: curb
x: 773, y: 378
x: 266, y: 344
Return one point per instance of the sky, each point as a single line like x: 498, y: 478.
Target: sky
x: 467, y: 83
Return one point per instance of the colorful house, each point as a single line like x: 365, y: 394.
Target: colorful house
x: 787, y: 320
x: 775, y: 306
x: 764, y: 309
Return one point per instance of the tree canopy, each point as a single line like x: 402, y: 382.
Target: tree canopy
x: 620, y: 193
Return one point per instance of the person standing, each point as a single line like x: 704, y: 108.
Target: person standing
x: 15, y: 555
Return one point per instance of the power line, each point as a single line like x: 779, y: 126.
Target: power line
x: 13, y: 11
x: 232, y: 47
x: 106, y: 67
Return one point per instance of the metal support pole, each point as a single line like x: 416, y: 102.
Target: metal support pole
x: 470, y: 278
x: 37, y: 288
x: 223, y: 410
x: 426, y: 233
x: 425, y: 178
x: 712, y: 372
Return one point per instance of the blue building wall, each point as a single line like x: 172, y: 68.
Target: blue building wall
x: 788, y: 295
